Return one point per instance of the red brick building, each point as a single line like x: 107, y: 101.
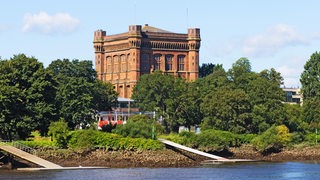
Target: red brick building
x: 122, y: 58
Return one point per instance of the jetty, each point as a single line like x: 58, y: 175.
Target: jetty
x: 19, y: 152
x: 214, y: 159
x: 29, y: 154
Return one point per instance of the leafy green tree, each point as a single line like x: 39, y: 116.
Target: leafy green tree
x: 310, y: 79
x: 205, y: 69
x: 218, y: 78
x: 27, y: 93
x: 240, y: 73
x: 79, y: 94
x: 272, y: 140
x: 266, y: 98
x: 311, y: 113
x: 58, y: 130
x: 161, y: 93
x: 188, y: 109
x: 227, y: 109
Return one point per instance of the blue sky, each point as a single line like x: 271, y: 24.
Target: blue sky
x: 271, y: 34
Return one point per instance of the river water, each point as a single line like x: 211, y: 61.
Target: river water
x: 253, y: 170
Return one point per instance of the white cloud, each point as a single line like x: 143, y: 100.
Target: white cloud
x: 3, y: 27
x: 290, y: 75
x: 271, y: 41
x: 50, y: 24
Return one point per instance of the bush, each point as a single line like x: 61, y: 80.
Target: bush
x: 215, y: 140
x: 273, y: 139
x: 245, y: 138
x: 85, y: 140
x: 40, y: 144
x: 138, y: 126
x: 59, y: 132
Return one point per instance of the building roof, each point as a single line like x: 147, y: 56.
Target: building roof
x: 121, y: 99
x: 147, y: 28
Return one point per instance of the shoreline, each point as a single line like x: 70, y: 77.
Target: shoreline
x: 165, y: 158
x: 175, y: 158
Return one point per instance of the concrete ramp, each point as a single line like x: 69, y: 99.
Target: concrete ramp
x: 29, y: 157
x: 170, y: 143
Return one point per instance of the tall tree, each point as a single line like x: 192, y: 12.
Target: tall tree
x: 163, y: 93
x: 79, y: 94
x: 205, y: 69
x: 310, y: 77
x: 310, y: 81
x: 226, y: 109
x: 27, y: 93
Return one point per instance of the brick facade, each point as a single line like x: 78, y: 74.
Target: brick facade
x: 122, y: 58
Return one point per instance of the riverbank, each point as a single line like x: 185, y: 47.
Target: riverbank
x: 170, y: 157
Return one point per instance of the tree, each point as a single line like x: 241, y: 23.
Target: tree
x: 79, y: 94
x: 27, y: 93
x: 58, y: 130
x: 310, y: 77
x: 227, y: 109
x: 272, y: 140
x: 205, y: 69
x: 161, y: 93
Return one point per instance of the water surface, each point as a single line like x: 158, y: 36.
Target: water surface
x: 256, y: 170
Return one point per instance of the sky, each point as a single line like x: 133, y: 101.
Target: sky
x: 271, y: 34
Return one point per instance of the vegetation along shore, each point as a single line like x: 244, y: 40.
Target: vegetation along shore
x: 241, y: 114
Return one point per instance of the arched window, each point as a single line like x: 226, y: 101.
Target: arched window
x: 157, y: 61
x: 169, y: 62
x: 144, y: 64
x: 180, y: 63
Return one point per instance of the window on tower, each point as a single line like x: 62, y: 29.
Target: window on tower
x: 144, y: 63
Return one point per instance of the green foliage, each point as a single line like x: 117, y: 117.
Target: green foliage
x: 138, y: 126
x: 215, y: 140
x: 310, y: 77
x: 79, y: 93
x: 83, y: 140
x: 208, y: 140
x: 272, y: 140
x: 226, y: 109
x: 205, y: 69
x: 59, y: 131
x: 164, y: 94
x: 40, y: 144
x: 27, y: 93
x: 311, y: 111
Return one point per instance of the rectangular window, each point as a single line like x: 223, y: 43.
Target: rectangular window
x: 169, y: 62
x: 157, y: 62
x: 180, y: 63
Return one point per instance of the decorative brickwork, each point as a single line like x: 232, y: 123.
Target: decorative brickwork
x: 122, y: 58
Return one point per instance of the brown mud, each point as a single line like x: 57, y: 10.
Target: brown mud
x: 162, y: 158
x: 174, y: 158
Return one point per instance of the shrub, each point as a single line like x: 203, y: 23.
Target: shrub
x: 273, y: 139
x: 59, y: 132
x: 85, y: 140
x: 215, y: 140
x: 245, y: 138
x: 138, y: 126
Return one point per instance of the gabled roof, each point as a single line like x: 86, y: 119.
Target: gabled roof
x: 147, y: 28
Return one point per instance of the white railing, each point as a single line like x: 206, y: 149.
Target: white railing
x: 19, y: 146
